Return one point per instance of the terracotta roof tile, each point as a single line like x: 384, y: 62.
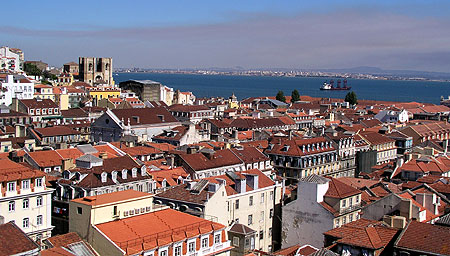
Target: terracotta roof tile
x: 425, y: 238
x: 338, y: 189
x: 14, y: 241
x: 131, y: 233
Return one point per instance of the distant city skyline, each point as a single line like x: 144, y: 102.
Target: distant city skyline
x: 407, y: 35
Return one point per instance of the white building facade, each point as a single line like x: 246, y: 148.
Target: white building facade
x: 9, y: 60
x: 15, y: 86
x: 26, y: 200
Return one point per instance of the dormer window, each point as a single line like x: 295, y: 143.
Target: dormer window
x: 25, y: 184
x: 134, y: 172
x: 104, y: 176
x: 114, y: 175
x: 31, y: 111
x: 44, y: 111
x: 124, y: 174
x: 143, y: 170
x: 50, y: 111
x: 38, y: 111
x: 11, y: 186
x: 285, y: 148
x: 56, y: 111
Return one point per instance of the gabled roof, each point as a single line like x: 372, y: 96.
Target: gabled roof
x: 424, y: 238
x: 43, y: 103
x: 241, y: 229
x: 146, y: 230
x: 143, y: 116
x: 13, y: 241
x: 113, y: 197
x: 363, y: 233
x: 338, y: 189
x: 46, y: 158
x: 220, y: 158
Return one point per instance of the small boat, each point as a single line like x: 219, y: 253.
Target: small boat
x: 330, y: 86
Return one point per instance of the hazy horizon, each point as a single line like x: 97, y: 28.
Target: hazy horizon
x: 400, y: 35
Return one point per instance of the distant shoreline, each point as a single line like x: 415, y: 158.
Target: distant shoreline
x: 283, y: 74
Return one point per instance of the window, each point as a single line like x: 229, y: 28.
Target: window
x: 250, y: 202
x: 344, y: 203
x: 357, y: 199
x: 262, y: 198
x: 236, y: 241
x: 350, y: 218
x: 250, y: 219
x: 205, y: 241
x: 38, y: 111
x: 25, y: 184
x: 344, y: 220
x: 228, y: 206
x: 31, y: 111
x: 262, y: 216
x: 261, y: 234
x: 270, y: 232
x: 79, y: 210
x: 271, y: 213
x: 271, y: 195
x: 39, y: 201
x: 39, y: 220
x: 11, y: 186
x: 191, y: 247
x: 236, y: 220
x: 12, y: 206
x: 177, y: 251
x: 217, y: 239
x: 26, y: 223
x: 247, y: 242
x: 50, y: 111
x: 26, y: 204
x: 337, y: 222
x: 115, y: 210
x: 39, y: 182
x: 237, y: 204
x: 163, y: 252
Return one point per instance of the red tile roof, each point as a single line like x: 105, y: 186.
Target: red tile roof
x: 13, y: 241
x: 112, y: 197
x: 364, y: 233
x: 338, y: 189
x: 46, y: 158
x: 56, y: 131
x: 425, y: 238
x: 147, y: 231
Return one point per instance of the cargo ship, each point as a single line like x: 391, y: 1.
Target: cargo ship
x: 330, y: 86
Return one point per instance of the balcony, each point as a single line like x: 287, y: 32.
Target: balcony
x: 350, y: 209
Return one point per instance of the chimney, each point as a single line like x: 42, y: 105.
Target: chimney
x: 235, y: 134
x: 240, y: 185
x: 252, y: 180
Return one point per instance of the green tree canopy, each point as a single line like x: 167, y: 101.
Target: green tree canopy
x: 295, y: 96
x: 280, y: 96
x: 31, y: 69
x: 351, y: 98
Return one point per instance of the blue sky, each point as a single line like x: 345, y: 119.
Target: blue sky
x: 252, y: 34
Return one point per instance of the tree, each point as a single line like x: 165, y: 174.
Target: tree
x: 32, y: 70
x: 280, y: 96
x: 295, y: 96
x: 351, y: 98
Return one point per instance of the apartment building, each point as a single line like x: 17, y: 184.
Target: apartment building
x: 297, y: 158
x: 25, y: 199
x: 128, y: 223
x: 15, y: 86
x: 191, y: 113
x: 385, y: 146
x: 322, y: 204
x: 248, y: 197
